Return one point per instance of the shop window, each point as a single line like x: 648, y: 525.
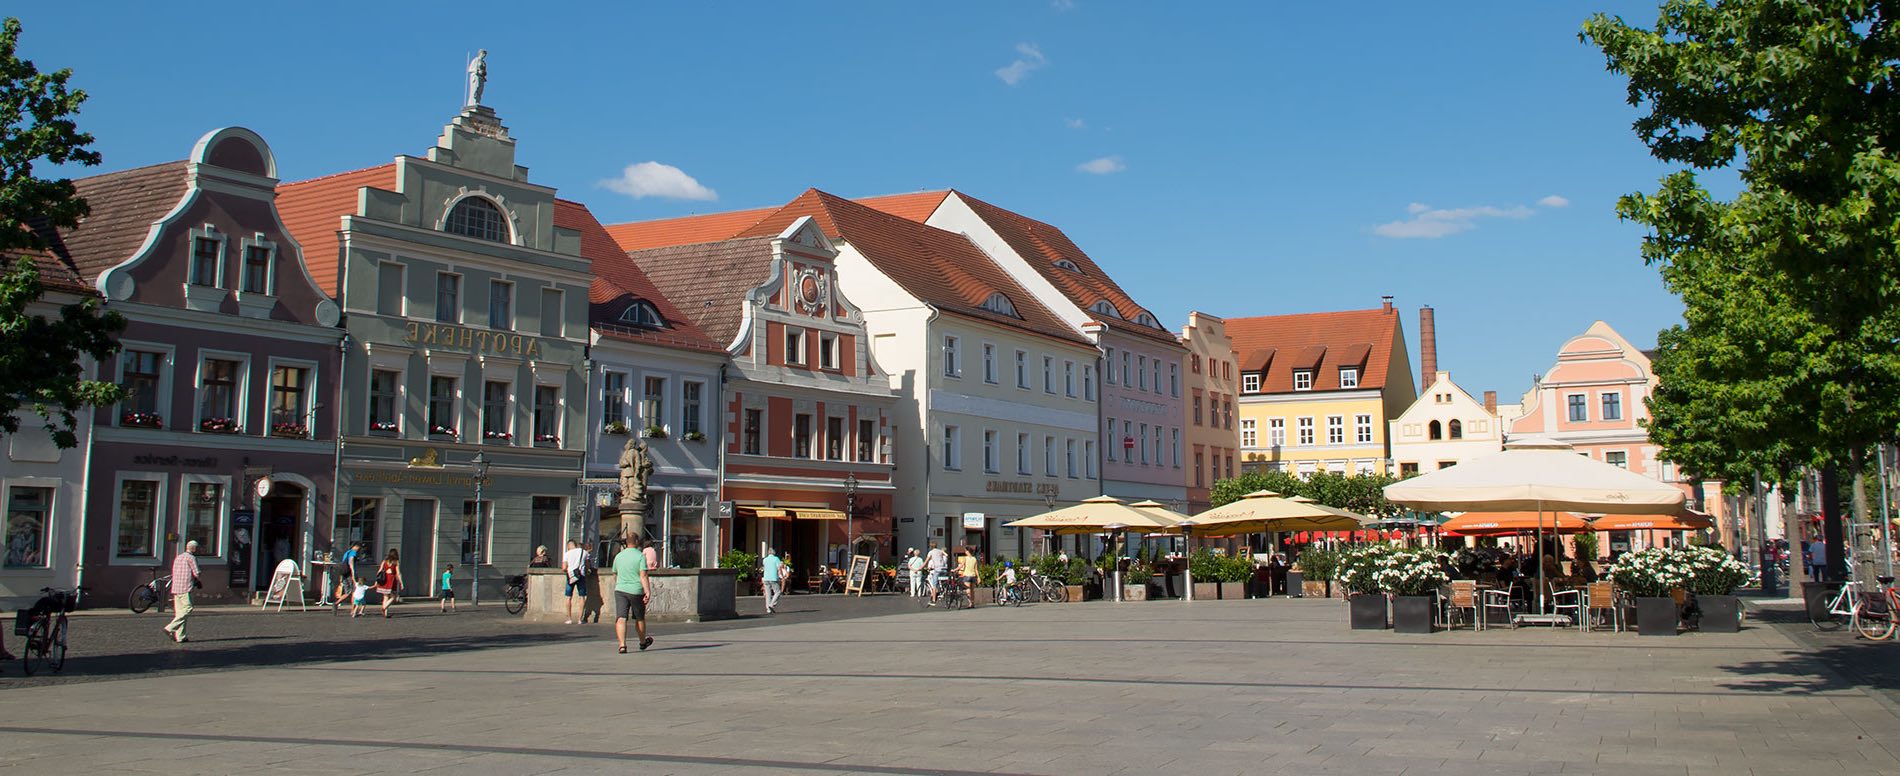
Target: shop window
x: 360, y: 525
x: 684, y: 535
x: 138, y: 519
x: 204, y: 517
x: 478, y: 531
x: 29, y: 527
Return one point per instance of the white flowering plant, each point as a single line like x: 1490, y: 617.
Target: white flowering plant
x: 1358, y: 567
x: 1652, y: 573
x: 1712, y: 571
x: 1409, y: 572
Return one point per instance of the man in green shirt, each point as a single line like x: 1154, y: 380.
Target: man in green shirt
x: 630, y: 594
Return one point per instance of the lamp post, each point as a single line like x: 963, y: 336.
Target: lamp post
x: 1049, y: 501
x: 1114, y: 532
x: 850, y: 511
x: 475, y: 568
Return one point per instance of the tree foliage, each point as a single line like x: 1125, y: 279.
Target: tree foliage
x: 40, y: 367
x: 1364, y: 494
x: 1787, y: 354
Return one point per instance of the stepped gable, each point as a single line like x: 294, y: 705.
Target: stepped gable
x: 685, y: 230
x: 709, y: 282
x: 313, y: 211
x: 618, y: 281
x: 944, y: 269
x: 1323, y: 342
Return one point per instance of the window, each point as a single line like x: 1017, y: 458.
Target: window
x: 1088, y: 459
x: 1228, y: 405
x: 1068, y: 455
x: 1612, y: 406
x: 1230, y: 466
x: 1141, y: 441
x: 1104, y: 308
x: 801, y: 435
x: 257, y: 266
x: 827, y: 350
x: 29, y: 527
x: 1200, y: 469
x: 1447, y: 464
x: 1068, y: 265
x: 1141, y: 371
x: 1048, y: 374
x: 867, y: 441
x: 952, y: 452
x: 547, y: 415
x: 999, y: 304
x: 653, y: 403
x: 1157, y: 443
x: 384, y: 391
x: 643, y: 314
x: 478, y: 525
x: 950, y: 366
x: 478, y: 218
x: 1068, y: 378
x: 692, y: 395
x: 1408, y: 469
x: 448, y: 297
x: 1249, y: 434
x: 1108, y: 438
x: 989, y: 363
x: 553, y: 312
x: 389, y: 290
x: 204, y: 513
x: 1088, y: 382
x: 1349, y: 377
x: 141, y: 381
x: 1022, y: 454
x: 1108, y: 368
x: 442, y: 405
x: 1174, y: 446
x: 989, y: 451
x: 794, y: 345
x: 1022, y: 370
x: 205, y: 254
x: 289, y: 413
x: 1125, y: 361
x: 1250, y: 382
x: 138, y: 519
x: 1335, y: 429
x: 613, y: 399
x: 1617, y: 458
x: 834, y: 439
x: 359, y: 525
x: 685, y: 536
x: 1456, y: 430
x: 1362, y: 429
x: 754, y: 423
x: 1303, y: 379
x: 1197, y: 409
x: 1174, y: 379
x: 1579, y: 408
x: 1276, y: 432
x: 1128, y: 437
x: 218, y: 396
x: 1049, y: 456
x: 496, y: 418
x: 1305, y: 429
x: 1157, y: 372
x: 1434, y: 430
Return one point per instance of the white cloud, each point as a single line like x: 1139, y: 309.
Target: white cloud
x: 1075, y: 123
x: 1031, y: 59
x: 1554, y: 201
x: 1106, y: 165
x: 653, y: 179
x: 1430, y: 222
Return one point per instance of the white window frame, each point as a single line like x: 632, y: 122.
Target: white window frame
x: 214, y: 555
x: 1306, y: 436
x: 1585, y: 404
x: 952, y: 356
x: 1049, y: 375
x: 689, y: 421
x: 1088, y: 458
x: 242, y: 410
x: 795, y: 355
x: 1108, y: 367
x: 1362, y: 429
x: 257, y: 240
x: 1022, y: 369
x: 167, y: 371
x: 1349, y: 372
x: 306, y: 414
x: 1141, y: 441
x: 1049, y: 456
x: 1618, y: 396
x: 990, y: 454
x: 1088, y: 382
x: 52, y: 526
x: 1276, y: 432
x: 1249, y: 433
x: 952, y: 448
x: 1023, y: 452
x: 1141, y: 370
x: 159, y: 528
x: 828, y: 352
x: 1068, y: 455
x: 989, y: 363
x: 560, y: 411
x: 1250, y: 382
x: 1174, y: 379
x: 1174, y: 442
x: 207, y: 232
x: 1112, y: 441
x: 1626, y: 458
x: 1335, y: 430
x: 1068, y: 379
x: 1302, y: 379
x: 624, y: 400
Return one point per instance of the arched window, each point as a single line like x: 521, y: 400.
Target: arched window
x: 1457, y: 430
x: 1147, y: 320
x: 1435, y: 431
x: 1068, y: 265
x: 478, y: 218
x: 999, y: 304
x: 642, y: 313
x: 1104, y: 308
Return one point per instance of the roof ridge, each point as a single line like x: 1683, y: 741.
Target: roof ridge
x: 321, y: 178
x: 129, y: 171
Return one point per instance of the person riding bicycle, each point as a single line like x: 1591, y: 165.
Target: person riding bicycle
x: 1012, y: 592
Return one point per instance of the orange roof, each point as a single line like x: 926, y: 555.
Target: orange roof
x: 313, y: 211
x: 1323, y: 342
x: 916, y: 207
x: 685, y: 230
x: 618, y: 282
x: 942, y: 268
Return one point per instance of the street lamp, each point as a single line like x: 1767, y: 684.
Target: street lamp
x: 850, y: 510
x: 475, y: 568
x: 1049, y: 501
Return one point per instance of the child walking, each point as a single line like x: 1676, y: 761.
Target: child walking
x: 448, y: 591
x: 356, y: 598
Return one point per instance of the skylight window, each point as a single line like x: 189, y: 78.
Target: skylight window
x: 999, y: 304
x: 1147, y: 320
x: 1104, y: 308
x: 643, y: 313
x: 1068, y: 265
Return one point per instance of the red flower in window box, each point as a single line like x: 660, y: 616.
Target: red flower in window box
x: 497, y: 435
x: 286, y: 429
x: 385, y: 425
x: 552, y: 439
x: 447, y: 431
x: 219, y: 425
x: 137, y: 419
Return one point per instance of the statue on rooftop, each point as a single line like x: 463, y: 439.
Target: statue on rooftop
x: 477, y: 78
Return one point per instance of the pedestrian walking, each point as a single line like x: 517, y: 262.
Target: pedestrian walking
x: 448, y: 592
x: 389, y: 579
x: 936, y: 562
x: 772, y: 575
x: 916, y: 567
x: 966, y: 568
x: 574, y: 563
x: 346, y: 570
x: 358, y: 598
x: 184, y: 580
x: 647, y: 551
x: 631, y: 595
x: 1818, y: 564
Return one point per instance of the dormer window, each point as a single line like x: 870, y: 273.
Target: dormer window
x: 478, y: 218
x: 1148, y: 321
x: 1104, y: 308
x: 1068, y: 265
x: 1349, y: 377
x: 999, y: 304
x: 1302, y: 379
x: 1249, y: 382
x: 643, y: 313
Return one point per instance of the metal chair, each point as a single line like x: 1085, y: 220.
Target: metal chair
x: 1460, y: 595
x: 1493, y: 598
x: 1602, y: 596
x: 1572, y: 600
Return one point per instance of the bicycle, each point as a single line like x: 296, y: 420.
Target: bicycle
x: 1875, y: 617
x: 44, y: 627
x: 955, y: 595
x: 154, y: 592
x: 1046, y: 588
x: 515, y: 596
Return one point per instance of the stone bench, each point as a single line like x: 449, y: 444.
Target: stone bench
x: 678, y: 595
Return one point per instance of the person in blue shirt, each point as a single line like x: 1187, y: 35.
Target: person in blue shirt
x: 346, y: 570
x: 772, y: 573
x: 448, y: 591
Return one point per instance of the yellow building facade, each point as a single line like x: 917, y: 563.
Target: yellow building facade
x: 1317, y: 390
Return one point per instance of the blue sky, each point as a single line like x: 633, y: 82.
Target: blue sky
x: 1238, y: 158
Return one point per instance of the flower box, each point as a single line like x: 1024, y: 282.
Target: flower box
x: 1207, y: 591
x: 293, y: 430
x: 1656, y: 616
x: 388, y: 426
x: 1368, y: 611
x: 693, y: 436
x: 504, y: 436
x: 614, y: 427
x: 136, y: 419
x: 447, y: 431
x: 218, y: 425
x: 1720, y: 613
x: 1412, y: 614
x: 654, y: 432
x: 547, y: 439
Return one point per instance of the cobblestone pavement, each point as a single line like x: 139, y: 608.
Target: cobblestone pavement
x: 1160, y: 687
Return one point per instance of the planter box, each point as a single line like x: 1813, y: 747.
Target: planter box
x: 1134, y: 592
x: 1656, y: 616
x: 1075, y: 593
x: 1296, y: 584
x: 983, y: 595
x: 1368, y: 611
x: 1206, y: 591
x: 1720, y: 613
x: 1412, y: 613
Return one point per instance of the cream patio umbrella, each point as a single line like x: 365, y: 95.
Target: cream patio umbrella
x: 1538, y: 475
x: 1181, y: 523
x: 1096, y: 515
x: 1265, y: 510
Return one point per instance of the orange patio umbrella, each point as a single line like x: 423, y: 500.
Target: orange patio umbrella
x: 1510, y: 523
x: 1688, y: 521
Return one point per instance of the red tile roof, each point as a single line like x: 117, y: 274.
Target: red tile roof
x: 942, y: 268
x: 1323, y: 342
x: 685, y: 230
x: 916, y: 206
x: 618, y: 282
x: 313, y: 211
x: 709, y: 280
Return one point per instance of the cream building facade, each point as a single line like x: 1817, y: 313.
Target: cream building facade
x: 1446, y: 426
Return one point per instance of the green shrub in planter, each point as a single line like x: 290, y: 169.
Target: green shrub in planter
x: 1357, y: 568
x: 1651, y: 573
x: 1405, y: 572
x: 747, y: 564
x: 1712, y: 571
x: 1317, y: 562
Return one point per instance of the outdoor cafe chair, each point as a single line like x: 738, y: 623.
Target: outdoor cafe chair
x: 1494, y: 598
x: 1460, y: 595
x: 1572, y: 600
x: 1602, y: 597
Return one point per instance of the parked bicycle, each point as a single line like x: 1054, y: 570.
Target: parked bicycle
x: 955, y: 595
x: 153, y: 593
x: 44, y: 629
x: 515, y: 596
x: 1045, y: 588
x: 1874, y: 618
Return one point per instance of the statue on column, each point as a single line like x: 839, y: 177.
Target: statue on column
x: 636, y: 467
x: 477, y: 78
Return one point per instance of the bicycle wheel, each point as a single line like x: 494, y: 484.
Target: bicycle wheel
x: 56, y: 648
x: 142, y: 598
x: 33, y: 652
x: 1873, y: 619
x: 1057, y: 593
x: 516, y: 599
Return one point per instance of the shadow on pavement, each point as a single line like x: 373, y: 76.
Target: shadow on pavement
x: 191, y: 656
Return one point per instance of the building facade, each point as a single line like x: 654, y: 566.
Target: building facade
x: 1213, y: 435
x: 1443, y: 428
x: 1318, y: 389
x: 464, y: 389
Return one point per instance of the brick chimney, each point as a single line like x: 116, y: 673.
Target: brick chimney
x: 1427, y: 347
x: 1387, y: 300
x: 1491, y: 402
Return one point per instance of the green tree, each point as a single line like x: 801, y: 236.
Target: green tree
x: 1364, y: 494
x: 40, y: 367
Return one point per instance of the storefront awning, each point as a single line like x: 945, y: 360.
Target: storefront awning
x: 765, y: 512
x: 819, y: 514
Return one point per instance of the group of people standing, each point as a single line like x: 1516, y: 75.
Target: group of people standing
x: 632, y: 589
x: 929, y: 570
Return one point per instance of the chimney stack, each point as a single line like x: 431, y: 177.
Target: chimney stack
x: 1387, y: 300
x: 1427, y: 347
x: 1491, y: 402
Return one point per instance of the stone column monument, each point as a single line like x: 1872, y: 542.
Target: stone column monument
x: 636, y: 467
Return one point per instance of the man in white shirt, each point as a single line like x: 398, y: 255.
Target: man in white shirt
x: 936, y: 561
x: 574, y: 562
x: 915, y: 565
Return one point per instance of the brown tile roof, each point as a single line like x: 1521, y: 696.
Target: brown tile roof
x: 1319, y: 341
x: 709, y: 281
x: 313, y: 211
x: 124, y: 206
x: 56, y: 273
x: 944, y: 269
x: 618, y: 282
x: 685, y: 230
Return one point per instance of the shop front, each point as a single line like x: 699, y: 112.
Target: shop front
x: 817, y: 527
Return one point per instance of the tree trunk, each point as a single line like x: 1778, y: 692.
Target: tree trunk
x: 1832, y: 534
x: 1861, y: 531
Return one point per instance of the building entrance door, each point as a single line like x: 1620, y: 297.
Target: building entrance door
x: 418, y: 534
x: 279, y: 519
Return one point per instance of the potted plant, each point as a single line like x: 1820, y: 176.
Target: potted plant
x: 655, y: 431
x: 1317, y: 564
x: 547, y: 439
x: 1650, y: 576
x: 1234, y: 574
x: 1075, y: 577
x: 747, y: 564
x: 1713, y: 577
x: 693, y: 436
x: 1206, y: 569
x: 387, y: 426
x: 442, y: 431
x: 1357, y: 572
x: 614, y: 427
x: 1410, y: 576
